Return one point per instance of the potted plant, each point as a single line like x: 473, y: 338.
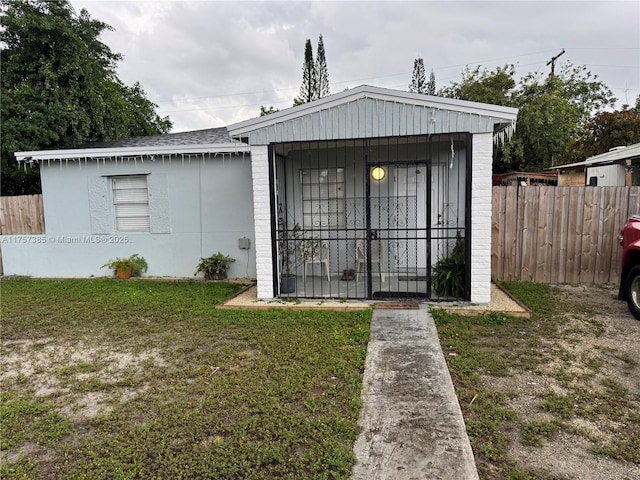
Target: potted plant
x: 125, y: 268
x: 448, y: 276
x: 214, y: 267
x: 288, y: 241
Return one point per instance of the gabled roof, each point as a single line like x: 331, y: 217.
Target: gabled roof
x: 210, y: 140
x: 367, y: 111
x: 630, y: 152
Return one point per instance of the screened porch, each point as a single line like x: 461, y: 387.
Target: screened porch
x: 372, y: 218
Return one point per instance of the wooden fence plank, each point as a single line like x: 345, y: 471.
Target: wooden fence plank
x: 560, y: 234
x: 589, y: 233
x: 571, y: 267
x: 560, y: 238
x: 503, y: 244
x: 21, y: 215
x: 529, y: 233
x: 606, y: 228
x: 497, y: 235
x: 510, y: 247
x: 545, y: 231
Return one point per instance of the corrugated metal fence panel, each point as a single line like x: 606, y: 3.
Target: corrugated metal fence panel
x: 560, y: 234
x: 368, y: 117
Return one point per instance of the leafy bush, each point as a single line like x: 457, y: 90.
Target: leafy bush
x: 448, y: 274
x: 214, y: 267
x: 135, y: 263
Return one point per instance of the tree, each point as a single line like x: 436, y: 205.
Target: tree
x: 553, y: 114
x: 494, y: 87
x: 552, y: 111
x: 418, y: 81
x: 322, y: 73
x: 59, y: 87
x: 308, y: 89
x: 431, y: 84
x: 267, y: 111
x: 605, y: 131
x: 315, y: 75
x: 547, y: 124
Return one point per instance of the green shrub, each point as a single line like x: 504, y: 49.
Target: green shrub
x: 137, y: 264
x: 448, y: 274
x: 214, y: 267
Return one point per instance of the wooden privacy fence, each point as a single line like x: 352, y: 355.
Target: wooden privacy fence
x: 560, y: 234
x: 21, y: 215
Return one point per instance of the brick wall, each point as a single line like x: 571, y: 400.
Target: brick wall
x: 262, y: 220
x: 482, y: 152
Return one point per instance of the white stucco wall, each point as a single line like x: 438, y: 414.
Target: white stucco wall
x: 197, y: 209
x: 482, y: 153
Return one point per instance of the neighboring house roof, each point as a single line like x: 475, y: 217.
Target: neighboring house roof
x: 366, y: 112
x: 630, y: 152
x: 210, y: 140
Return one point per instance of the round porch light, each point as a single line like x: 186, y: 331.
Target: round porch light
x: 378, y: 173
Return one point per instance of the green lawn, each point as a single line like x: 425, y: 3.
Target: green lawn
x: 557, y: 361
x: 107, y: 379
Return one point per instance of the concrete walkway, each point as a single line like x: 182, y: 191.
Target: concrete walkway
x: 412, y: 427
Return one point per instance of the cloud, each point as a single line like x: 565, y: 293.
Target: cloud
x: 209, y: 63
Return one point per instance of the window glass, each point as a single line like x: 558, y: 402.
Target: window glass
x: 323, y: 202
x: 131, y: 203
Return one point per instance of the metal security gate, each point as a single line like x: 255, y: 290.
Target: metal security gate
x: 371, y: 219
x: 397, y: 233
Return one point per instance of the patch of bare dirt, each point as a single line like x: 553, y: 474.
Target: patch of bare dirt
x: 599, y: 346
x: 62, y: 372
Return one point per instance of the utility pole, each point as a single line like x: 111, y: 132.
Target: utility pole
x: 552, y: 62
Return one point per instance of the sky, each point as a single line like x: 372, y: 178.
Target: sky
x: 212, y: 63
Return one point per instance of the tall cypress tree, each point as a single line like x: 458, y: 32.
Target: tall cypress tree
x: 308, y: 90
x: 431, y: 85
x: 322, y: 73
x: 418, y: 81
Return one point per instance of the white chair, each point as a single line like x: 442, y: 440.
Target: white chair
x: 314, y: 250
x: 361, y: 256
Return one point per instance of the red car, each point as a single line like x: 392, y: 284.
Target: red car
x: 630, y: 278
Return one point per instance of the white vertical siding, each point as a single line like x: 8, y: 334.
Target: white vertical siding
x: 262, y: 221
x: 482, y: 153
x: 366, y: 112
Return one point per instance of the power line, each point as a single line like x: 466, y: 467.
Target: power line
x: 363, y: 79
x: 287, y: 103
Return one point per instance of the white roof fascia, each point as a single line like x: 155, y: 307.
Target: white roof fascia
x: 630, y: 151
x: 365, y: 91
x: 131, y: 151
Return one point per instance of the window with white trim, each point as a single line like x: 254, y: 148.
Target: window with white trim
x: 323, y: 202
x: 131, y: 203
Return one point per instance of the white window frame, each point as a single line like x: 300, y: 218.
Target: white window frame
x: 130, y: 198
x: 323, y: 198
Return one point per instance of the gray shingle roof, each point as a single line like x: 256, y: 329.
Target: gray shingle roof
x: 197, y: 137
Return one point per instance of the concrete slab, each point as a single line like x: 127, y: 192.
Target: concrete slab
x: 411, y: 423
x: 501, y: 302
